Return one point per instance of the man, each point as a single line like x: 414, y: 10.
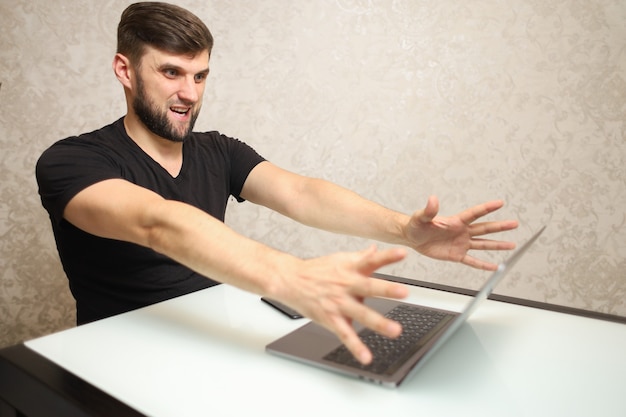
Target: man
x: 137, y: 207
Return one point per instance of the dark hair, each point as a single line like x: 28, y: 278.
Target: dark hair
x: 163, y: 26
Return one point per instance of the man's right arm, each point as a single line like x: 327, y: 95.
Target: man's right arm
x: 328, y: 290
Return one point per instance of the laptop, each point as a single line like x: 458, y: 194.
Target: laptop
x: 425, y: 330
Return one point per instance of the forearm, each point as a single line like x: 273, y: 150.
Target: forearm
x: 179, y: 231
x: 212, y: 249
x: 327, y: 206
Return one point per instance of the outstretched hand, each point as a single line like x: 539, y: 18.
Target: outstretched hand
x: 450, y: 238
x: 330, y: 290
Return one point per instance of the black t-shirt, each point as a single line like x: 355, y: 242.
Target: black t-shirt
x: 107, y: 276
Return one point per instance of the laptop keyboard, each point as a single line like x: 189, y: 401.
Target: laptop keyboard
x: 417, y: 323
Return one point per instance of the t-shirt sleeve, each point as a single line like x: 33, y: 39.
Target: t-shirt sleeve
x: 68, y: 167
x: 243, y: 159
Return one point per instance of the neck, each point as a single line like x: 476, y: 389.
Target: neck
x: 165, y: 152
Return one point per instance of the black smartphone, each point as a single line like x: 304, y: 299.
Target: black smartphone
x: 287, y: 311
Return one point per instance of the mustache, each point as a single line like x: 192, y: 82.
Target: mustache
x: 182, y: 103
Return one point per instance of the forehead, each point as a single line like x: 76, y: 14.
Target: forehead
x: 156, y: 58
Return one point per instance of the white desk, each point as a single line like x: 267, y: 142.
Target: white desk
x: 203, y: 354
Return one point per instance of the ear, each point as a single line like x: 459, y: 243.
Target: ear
x: 123, y: 70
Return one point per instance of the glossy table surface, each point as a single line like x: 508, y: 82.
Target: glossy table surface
x: 204, y: 354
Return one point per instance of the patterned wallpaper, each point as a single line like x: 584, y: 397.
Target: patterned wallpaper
x: 523, y: 100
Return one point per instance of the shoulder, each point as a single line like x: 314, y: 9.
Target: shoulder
x: 107, y: 141
x: 89, y: 154
x: 212, y: 138
x: 106, y: 137
x: 214, y: 141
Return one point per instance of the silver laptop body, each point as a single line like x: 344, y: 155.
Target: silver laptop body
x: 314, y: 345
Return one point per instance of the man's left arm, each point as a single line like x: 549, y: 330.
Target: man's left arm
x: 324, y: 205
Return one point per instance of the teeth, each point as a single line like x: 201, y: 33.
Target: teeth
x: 179, y: 111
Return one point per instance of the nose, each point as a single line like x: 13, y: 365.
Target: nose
x: 189, y: 91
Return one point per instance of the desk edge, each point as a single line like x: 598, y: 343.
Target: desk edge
x: 507, y: 299
x: 36, y: 386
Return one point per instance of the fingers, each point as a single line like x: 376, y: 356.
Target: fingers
x: 370, y: 319
x: 369, y: 263
x: 486, y: 228
x: 488, y: 244
x: 474, y: 213
x: 479, y: 229
x: 479, y: 264
x: 373, y: 287
x: 353, y: 343
x: 355, y: 310
x: 470, y: 215
x: 373, y: 259
x: 334, y: 290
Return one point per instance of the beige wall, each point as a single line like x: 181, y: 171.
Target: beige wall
x: 397, y: 99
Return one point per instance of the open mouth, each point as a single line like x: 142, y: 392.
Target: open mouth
x: 180, y: 110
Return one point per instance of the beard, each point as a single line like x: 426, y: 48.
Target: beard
x: 156, y: 120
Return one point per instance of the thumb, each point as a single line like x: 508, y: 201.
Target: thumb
x: 428, y: 213
x: 371, y: 260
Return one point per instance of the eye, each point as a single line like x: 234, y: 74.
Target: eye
x: 200, y: 77
x: 170, y: 72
